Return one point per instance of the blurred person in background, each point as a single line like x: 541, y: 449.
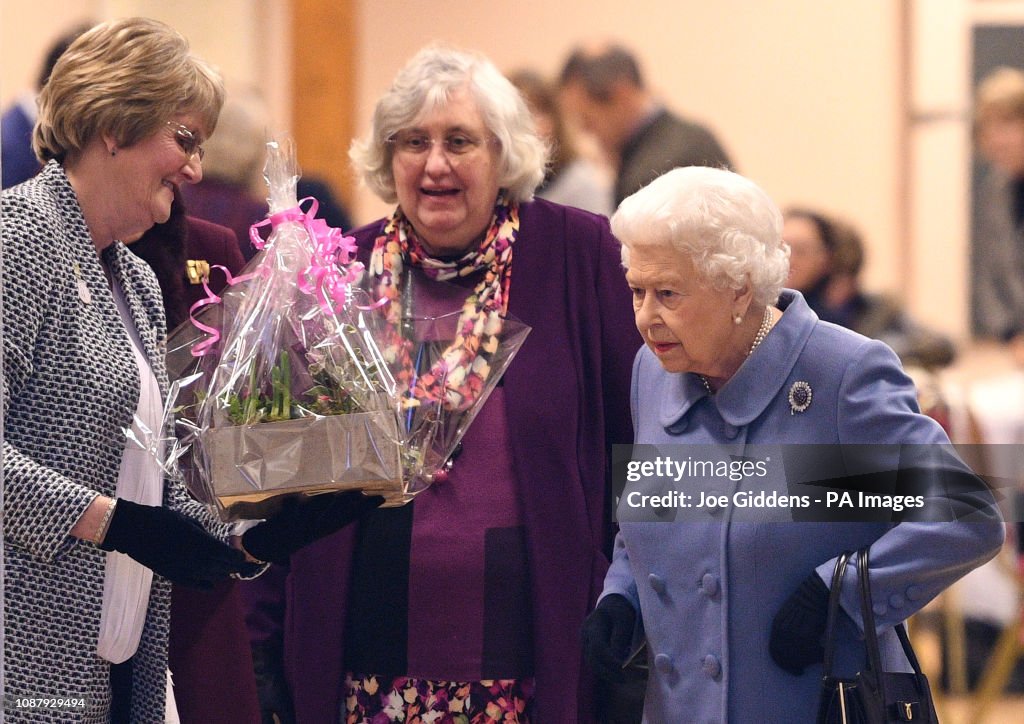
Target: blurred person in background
x: 827, y: 256
x: 998, y: 249
x: 233, y: 191
x: 571, y: 179
x: 230, y: 193
x: 18, y: 161
x: 466, y: 604
x: 182, y: 251
x: 602, y: 88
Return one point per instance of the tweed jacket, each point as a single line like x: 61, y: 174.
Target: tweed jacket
x: 708, y: 589
x: 70, y: 388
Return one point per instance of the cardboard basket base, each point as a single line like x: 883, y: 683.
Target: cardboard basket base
x: 252, y: 466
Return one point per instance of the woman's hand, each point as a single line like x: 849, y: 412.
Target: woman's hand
x: 607, y: 634
x: 799, y: 625
x: 305, y: 519
x: 172, y: 545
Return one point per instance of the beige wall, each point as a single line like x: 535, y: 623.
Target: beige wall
x: 26, y: 30
x: 246, y: 39
x: 804, y: 94
x: 809, y: 97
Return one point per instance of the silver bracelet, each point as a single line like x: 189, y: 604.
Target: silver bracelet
x: 101, y: 531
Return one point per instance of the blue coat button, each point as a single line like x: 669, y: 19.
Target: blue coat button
x: 896, y: 600
x: 914, y: 593
x: 709, y: 585
x: 715, y: 509
x: 880, y: 609
x: 657, y: 583
x: 663, y: 663
x: 712, y: 666
x: 678, y: 427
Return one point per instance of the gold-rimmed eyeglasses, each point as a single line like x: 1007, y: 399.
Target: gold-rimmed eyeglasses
x: 187, y: 141
x: 457, y: 146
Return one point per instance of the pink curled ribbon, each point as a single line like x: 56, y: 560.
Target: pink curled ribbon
x: 332, y: 268
x: 281, y: 217
x: 324, y: 278
x: 201, y: 348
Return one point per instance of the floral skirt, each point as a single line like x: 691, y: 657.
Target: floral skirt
x: 421, y: 701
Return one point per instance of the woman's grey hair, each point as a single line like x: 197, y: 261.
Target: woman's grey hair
x: 125, y: 78
x: 724, y: 223
x: 427, y: 82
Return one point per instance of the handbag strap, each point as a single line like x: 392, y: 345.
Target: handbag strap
x: 874, y: 655
x: 867, y: 615
x: 901, y: 633
x: 833, y: 610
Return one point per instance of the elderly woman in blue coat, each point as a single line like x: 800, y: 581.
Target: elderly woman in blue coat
x: 734, y: 612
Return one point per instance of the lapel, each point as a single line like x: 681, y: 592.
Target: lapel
x: 126, y: 270
x: 760, y: 379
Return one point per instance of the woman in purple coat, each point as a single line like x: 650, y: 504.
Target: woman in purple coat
x: 469, y: 600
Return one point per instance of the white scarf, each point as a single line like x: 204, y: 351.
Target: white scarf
x: 127, y: 583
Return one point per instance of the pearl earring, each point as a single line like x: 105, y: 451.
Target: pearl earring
x: 737, y: 318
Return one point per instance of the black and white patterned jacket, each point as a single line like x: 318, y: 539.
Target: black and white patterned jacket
x: 70, y: 387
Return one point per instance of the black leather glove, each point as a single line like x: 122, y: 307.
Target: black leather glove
x: 304, y: 519
x: 172, y: 545
x: 798, y: 627
x: 607, y: 634
x: 276, y: 705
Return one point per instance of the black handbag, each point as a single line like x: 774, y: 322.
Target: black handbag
x: 873, y: 696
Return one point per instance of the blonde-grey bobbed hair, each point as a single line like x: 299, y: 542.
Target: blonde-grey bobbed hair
x: 724, y: 223
x: 125, y: 78
x: 427, y: 82
x: 1000, y: 94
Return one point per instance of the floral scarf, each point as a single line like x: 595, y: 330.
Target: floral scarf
x: 458, y: 376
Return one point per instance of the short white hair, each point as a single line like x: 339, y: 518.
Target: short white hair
x: 723, y: 222
x: 429, y: 81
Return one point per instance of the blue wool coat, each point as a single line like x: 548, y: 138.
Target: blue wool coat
x: 708, y: 590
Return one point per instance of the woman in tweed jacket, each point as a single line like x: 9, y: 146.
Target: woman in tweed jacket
x: 88, y: 519
x: 71, y: 375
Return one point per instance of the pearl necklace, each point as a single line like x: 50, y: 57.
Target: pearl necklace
x: 762, y: 332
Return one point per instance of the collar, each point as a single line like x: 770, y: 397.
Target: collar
x: 640, y: 129
x: 759, y: 379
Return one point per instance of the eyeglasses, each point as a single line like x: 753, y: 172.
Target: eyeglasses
x: 413, y: 145
x: 187, y: 141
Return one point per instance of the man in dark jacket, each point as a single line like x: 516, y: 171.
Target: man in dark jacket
x: 604, y: 89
